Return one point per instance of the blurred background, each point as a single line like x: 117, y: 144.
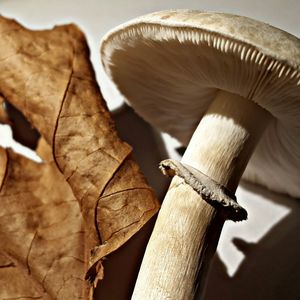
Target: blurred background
x: 256, y: 259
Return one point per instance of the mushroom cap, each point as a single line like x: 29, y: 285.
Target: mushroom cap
x: 169, y: 65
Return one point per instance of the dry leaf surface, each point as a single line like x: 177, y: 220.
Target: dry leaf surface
x: 4, y: 119
x: 42, y: 254
x: 47, y: 75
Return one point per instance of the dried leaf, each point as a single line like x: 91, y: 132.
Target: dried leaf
x: 43, y: 150
x: 47, y: 75
x: 4, y: 119
x: 42, y: 235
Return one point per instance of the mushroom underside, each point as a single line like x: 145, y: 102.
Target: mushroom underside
x: 171, y: 75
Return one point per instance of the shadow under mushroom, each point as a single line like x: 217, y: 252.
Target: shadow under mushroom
x: 271, y: 268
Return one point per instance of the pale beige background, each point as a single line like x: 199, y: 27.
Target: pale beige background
x: 258, y: 258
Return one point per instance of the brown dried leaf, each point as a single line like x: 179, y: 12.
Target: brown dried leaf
x: 48, y: 76
x: 4, y: 119
x: 43, y: 150
x: 42, y: 252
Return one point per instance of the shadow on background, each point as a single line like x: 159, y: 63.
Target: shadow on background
x: 271, y: 267
x: 22, y: 130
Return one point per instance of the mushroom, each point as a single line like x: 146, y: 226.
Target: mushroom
x: 241, y: 79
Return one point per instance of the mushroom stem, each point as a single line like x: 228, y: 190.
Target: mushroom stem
x: 187, y: 230
x: 226, y: 137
